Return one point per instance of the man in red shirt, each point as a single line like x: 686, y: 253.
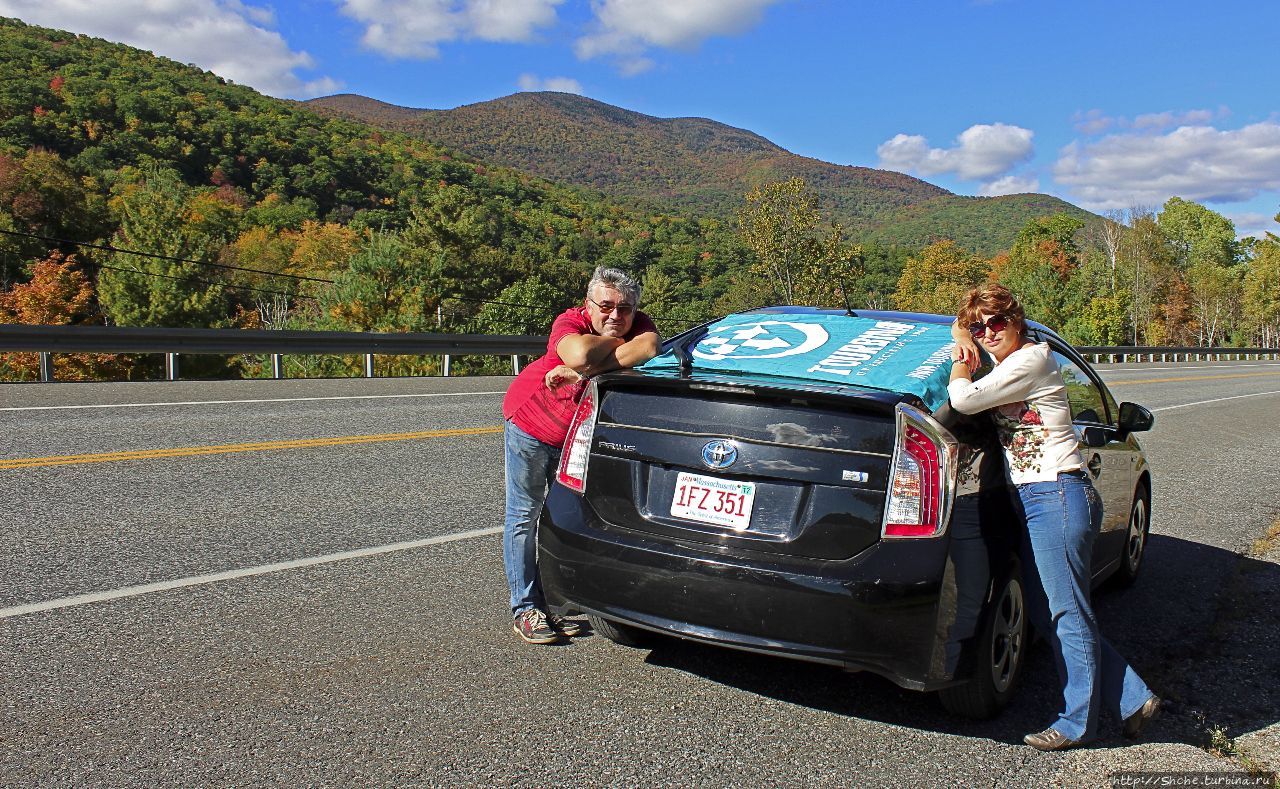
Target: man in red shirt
x: 605, y: 333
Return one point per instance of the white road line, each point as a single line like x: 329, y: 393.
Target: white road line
x: 200, y: 580
x: 225, y: 402
x: 1215, y: 400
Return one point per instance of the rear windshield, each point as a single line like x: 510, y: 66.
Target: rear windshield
x: 790, y: 421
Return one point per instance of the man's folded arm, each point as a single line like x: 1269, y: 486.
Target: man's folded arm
x: 591, y: 354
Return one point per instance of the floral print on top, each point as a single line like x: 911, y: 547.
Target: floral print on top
x: 1022, y: 434
x: 1027, y: 398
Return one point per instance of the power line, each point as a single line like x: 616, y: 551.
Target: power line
x: 110, y: 248
x: 204, y: 282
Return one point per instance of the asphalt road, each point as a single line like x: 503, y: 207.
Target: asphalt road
x: 398, y: 666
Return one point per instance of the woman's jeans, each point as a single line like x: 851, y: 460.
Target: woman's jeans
x: 530, y: 467
x: 1063, y: 518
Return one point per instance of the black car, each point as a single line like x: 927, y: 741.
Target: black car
x: 761, y: 500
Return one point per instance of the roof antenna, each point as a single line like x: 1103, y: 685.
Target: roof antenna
x: 848, y: 308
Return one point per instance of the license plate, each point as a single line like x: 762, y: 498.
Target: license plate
x: 723, y: 502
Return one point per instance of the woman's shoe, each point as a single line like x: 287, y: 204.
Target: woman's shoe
x: 1050, y: 740
x: 1135, y: 723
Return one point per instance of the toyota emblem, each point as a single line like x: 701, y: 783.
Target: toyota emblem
x: 719, y: 454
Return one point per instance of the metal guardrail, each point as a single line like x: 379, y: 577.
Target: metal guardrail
x: 1122, y: 353
x: 48, y: 340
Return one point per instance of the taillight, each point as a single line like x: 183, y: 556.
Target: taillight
x: 577, y: 444
x: 922, y: 479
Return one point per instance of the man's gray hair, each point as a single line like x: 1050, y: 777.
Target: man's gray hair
x: 617, y: 279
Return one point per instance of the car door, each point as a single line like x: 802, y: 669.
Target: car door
x: 1107, y: 459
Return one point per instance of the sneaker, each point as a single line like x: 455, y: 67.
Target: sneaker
x: 565, y: 627
x: 1135, y: 723
x: 531, y: 625
x: 1050, y: 740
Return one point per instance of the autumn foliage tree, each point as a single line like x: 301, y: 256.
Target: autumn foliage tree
x: 935, y: 279
x: 805, y: 262
x: 57, y: 294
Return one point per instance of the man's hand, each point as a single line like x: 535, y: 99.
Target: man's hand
x: 559, y: 376
x: 592, y: 354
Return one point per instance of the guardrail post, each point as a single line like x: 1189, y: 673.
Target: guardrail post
x: 46, y: 366
x: 515, y: 364
x: 171, y: 366
x: 447, y: 363
x: 368, y: 365
x: 277, y: 366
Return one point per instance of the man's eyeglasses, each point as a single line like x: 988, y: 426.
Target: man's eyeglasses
x: 996, y: 323
x: 608, y: 307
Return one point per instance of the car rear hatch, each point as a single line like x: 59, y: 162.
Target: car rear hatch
x: 791, y: 470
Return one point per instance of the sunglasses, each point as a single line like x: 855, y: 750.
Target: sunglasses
x: 608, y: 307
x: 996, y: 323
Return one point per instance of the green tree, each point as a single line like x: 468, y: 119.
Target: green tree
x: 527, y: 307
x: 159, y: 215
x: 1147, y: 268
x: 1042, y: 269
x: 1197, y: 234
x: 780, y: 223
x: 1206, y: 251
x: 381, y: 291
x: 1261, y: 294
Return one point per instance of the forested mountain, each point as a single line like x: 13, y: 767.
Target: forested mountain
x: 138, y: 191
x: 698, y: 166
x: 104, y: 143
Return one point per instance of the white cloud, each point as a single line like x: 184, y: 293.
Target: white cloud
x: 1253, y: 223
x: 227, y: 37
x: 559, y: 84
x: 416, y: 28
x: 625, y: 29
x: 1166, y: 120
x: 1197, y: 163
x: 1095, y: 122
x: 982, y: 152
x: 1010, y: 185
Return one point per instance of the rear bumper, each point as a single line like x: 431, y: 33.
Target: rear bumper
x: 906, y: 610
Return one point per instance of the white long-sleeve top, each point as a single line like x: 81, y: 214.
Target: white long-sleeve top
x: 1033, y: 418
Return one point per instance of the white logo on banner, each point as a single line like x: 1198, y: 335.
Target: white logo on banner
x: 763, y: 340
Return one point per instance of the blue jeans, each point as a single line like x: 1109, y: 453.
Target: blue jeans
x: 1063, y: 517
x: 530, y: 468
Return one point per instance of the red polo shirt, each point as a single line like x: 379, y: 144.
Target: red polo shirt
x: 539, y: 411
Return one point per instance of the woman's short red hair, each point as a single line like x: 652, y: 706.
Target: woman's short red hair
x: 993, y: 298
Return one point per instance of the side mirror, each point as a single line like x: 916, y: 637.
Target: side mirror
x: 1135, y: 419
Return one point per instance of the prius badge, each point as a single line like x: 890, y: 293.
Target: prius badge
x: 719, y: 454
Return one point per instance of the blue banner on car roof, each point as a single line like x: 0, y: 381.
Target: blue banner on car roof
x: 896, y: 355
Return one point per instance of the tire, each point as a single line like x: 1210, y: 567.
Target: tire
x: 1135, y: 540
x: 618, y: 633
x: 1001, y: 653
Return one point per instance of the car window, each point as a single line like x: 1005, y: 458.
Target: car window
x: 1087, y: 404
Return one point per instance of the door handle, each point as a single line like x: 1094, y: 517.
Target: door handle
x: 1095, y: 465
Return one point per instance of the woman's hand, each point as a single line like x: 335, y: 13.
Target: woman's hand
x: 559, y: 376
x: 966, y: 349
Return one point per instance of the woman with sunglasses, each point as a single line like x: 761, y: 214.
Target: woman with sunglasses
x: 1026, y: 397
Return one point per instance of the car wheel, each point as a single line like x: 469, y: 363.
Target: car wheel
x: 1135, y: 539
x: 1001, y: 653
x: 618, y: 633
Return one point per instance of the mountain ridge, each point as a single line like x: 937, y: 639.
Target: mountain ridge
x: 696, y: 165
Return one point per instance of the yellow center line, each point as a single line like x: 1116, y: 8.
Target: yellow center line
x: 223, y: 449
x: 1111, y: 385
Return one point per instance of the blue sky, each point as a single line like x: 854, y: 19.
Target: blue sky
x: 1109, y: 105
